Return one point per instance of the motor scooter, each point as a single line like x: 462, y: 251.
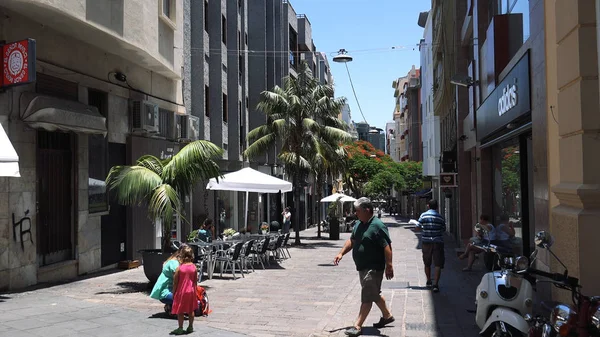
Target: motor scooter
x: 582, y: 319
x: 503, y: 297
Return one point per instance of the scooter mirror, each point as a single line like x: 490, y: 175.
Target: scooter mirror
x: 533, y: 255
x: 544, y: 239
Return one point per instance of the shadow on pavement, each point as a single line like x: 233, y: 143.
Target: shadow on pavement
x: 366, y: 331
x: 326, y: 265
x: 4, y: 298
x: 54, y: 284
x: 129, y: 288
x: 318, y: 244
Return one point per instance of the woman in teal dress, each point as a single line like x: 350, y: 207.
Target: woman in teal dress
x: 163, y: 289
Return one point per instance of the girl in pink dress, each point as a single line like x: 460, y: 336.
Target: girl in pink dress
x: 184, y: 284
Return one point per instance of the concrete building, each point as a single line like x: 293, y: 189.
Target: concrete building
x: 217, y: 94
x: 431, y: 121
x: 346, y: 116
x: 107, y: 88
x: 397, y: 115
x: 390, y: 140
x: 279, y: 39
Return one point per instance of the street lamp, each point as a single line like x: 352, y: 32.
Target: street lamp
x: 342, y: 57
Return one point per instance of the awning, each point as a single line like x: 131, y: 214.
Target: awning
x: 52, y: 114
x: 9, y: 160
x: 423, y: 192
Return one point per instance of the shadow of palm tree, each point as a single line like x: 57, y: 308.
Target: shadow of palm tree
x: 129, y: 288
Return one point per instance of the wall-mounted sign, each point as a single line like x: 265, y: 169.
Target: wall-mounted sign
x: 508, y: 102
x: 508, y: 99
x: 18, y: 63
x: 448, y: 180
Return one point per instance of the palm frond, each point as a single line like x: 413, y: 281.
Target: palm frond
x: 259, y: 146
x: 132, y: 185
x: 164, y: 204
x: 193, y: 163
x: 152, y: 163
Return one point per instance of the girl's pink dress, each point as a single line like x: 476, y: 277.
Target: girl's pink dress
x: 185, y: 300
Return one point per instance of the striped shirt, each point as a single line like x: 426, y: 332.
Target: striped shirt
x: 433, y: 226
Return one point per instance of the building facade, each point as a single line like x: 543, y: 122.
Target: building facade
x: 106, y: 79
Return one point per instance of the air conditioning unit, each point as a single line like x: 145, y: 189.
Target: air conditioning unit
x: 188, y: 128
x: 168, y: 126
x: 144, y: 117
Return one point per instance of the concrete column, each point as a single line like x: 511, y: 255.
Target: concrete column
x: 575, y: 218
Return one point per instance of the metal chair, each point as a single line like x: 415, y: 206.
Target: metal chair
x: 230, y: 257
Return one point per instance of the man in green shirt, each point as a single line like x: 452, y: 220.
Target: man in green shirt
x: 372, y: 253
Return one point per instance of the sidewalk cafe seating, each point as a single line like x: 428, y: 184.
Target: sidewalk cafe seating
x: 245, y: 257
x: 230, y: 258
x: 259, y: 251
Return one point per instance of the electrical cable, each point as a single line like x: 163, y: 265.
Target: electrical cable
x: 354, y: 91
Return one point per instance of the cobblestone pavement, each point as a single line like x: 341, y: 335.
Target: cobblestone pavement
x: 303, y: 296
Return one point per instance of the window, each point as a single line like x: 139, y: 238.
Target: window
x: 513, y: 7
x: 293, y: 58
x: 225, y: 108
x: 242, y: 130
x: 206, y: 15
x: 97, y: 158
x: 57, y: 87
x: 167, y: 12
x: 206, y: 102
x: 224, y: 28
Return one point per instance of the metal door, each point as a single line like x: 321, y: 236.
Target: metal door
x: 54, y: 197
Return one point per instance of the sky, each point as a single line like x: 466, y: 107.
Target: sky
x: 370, y: 28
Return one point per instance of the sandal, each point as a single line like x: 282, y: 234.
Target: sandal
x: 428, y: 284
x: 436, y: 288
x: 178, y: 331
x: 383, y: 322
x: 353, y: 331
x: 190, y: 329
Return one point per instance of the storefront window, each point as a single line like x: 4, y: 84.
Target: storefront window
x: 507, y: 188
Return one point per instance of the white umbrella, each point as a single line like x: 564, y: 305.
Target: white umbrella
x: 338, y: 197
x: 9, y: 160
x: 249, y: 180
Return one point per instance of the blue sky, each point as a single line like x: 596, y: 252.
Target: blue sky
x: 362, y: 26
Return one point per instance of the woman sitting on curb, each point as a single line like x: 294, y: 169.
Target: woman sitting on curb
x: 163, y: 289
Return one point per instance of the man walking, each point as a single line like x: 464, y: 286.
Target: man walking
x: 433, y: 226
x: 372, y: 253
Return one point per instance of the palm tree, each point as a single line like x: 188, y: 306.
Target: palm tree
x: 158, y: 184
x: 299, y: 116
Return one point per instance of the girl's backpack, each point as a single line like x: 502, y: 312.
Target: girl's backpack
x: 203, y: 306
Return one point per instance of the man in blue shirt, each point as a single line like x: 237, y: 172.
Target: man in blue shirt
x: 433, y: 226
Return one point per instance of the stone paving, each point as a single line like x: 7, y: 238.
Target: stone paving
x: 302, y: 296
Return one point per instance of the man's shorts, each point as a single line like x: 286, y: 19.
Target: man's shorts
x: 433, y: 252
x: 370, y: 281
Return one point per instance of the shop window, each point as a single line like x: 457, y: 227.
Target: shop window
x: 508, y: 188
x: 97, y: 158
x: 513, y: 7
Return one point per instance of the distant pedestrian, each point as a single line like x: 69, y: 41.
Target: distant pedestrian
x: 287, y: 220
x: 433, y: 226
x: 379, y: 212
x: 372, y: 253
x: 185, y: 300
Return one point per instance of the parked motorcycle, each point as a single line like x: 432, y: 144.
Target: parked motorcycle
x: 504, y: 297
x: 582, y: 319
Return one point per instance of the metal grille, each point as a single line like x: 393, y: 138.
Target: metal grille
x: 53, y: 86
x: 165, y: 123
x: 54, y: 194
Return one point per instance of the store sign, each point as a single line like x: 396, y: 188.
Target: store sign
x: 509, y: 102
x: 18, y: 63
x: 448, y: 180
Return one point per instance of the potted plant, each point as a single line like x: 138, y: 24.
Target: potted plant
x: 228, y: 233
x: 264, y: 227
x: 159, y: 185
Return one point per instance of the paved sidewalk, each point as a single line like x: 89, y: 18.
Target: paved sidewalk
x: 303, y: 296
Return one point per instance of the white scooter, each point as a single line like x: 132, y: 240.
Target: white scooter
x: 503, y: 297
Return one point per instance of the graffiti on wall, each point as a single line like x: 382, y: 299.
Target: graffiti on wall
x: 24, y: 228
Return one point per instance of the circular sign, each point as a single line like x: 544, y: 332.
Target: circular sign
x: 15, y: 62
